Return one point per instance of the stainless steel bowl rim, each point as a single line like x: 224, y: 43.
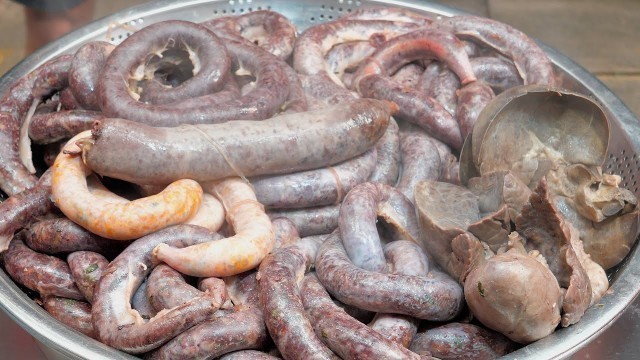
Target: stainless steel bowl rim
x: 560, y: 344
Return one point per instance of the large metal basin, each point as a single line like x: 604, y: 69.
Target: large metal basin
x: 62, y: 342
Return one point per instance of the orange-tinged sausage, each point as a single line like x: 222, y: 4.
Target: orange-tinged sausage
x: 210, y: 215
x: 117, y: 220
x: 254, y: 239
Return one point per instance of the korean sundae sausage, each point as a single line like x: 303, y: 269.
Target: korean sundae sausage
x: 87, y: 268
x: 422, y: 297
x: 14, y: 105
x: 121, y: 327
x: 85, y: 71
x: 532, y: 62
x: 45, y: 274
x: 283, y: 144
x: 287, y: 320
x: 128, y: 62
x: 19, y: 210
x: 73, y: 313
x: 61, y: 235
x: 345, y: 335
x: 324, y: 186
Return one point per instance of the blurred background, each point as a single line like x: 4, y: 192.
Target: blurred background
x: 602, y: 36
x: 14, y: 44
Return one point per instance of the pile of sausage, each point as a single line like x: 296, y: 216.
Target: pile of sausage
x: 214, y: 189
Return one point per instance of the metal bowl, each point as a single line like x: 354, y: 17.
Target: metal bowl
x: 552, y: 114
x: 622, y: 159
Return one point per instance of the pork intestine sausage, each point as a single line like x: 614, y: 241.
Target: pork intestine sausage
x: 140, y: 302
x: 262, y: 102
x: 364, y: 316
x: 472, y: 98
x: 321, y: 91
x: 14, y: 104
x: 210, y: 214
x: 50, y: 78
x: 440, y: 83
x: 318, y: 79
x: 347, y: 56
x: 85, y: 70
x: 497, y: 72
x: 43, y: 87
x: 427, y: 43
x: 253, y: 240
x: 285, y: 231
x: 218, y: 287
x: 297, y: 99
x: 357, y: 222
x: 117, y: 220
x: 476, y: 50
x: 167, y: 289
x: 420, y: 161
x: 73, y: 313
x: 408, y: 75
x: 532, y: 62
x: 121, y: 327
x: 286, y: 319
x: 271, y: 88
x: 395, y: 327
x: 462, y: 341
x: 129, y: 59
x: 269, y: 30
x: 405, y: 258
x: 317, y: 187
x: 248, y: 355
x: 55, y: 126
x: 428, y: 298
x: 345, y: 335
x: 388, y: 163
x: 243, y: 329
x: 443, y: 149
x: 45, y: 274
x: 267, y: 89
x: 311, y: 221
x: 372, y: 79
x: 240, y: 330
x: 86, y: 268
x: 265, y: 28
x: 283, y: 144
x: 19, y: 210
x: 61, y: 235
x: 315, y: 42
x: 243, y: 290
x: 68, y: 100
